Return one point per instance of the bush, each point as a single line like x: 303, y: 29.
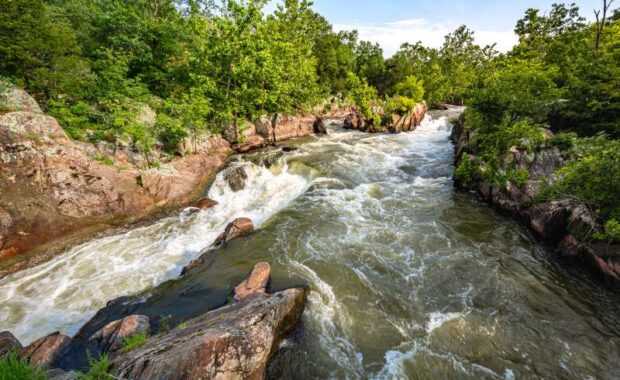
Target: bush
x: 593, y: 177
x: 14, y: 367
x: 466, y: 170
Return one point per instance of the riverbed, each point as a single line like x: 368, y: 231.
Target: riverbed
x: 408, y: 278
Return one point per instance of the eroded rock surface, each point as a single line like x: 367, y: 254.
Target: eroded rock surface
x: 46, y: 351
x: 235, y: 342
x: 8, y: 343
x: 255, y: 283
x: 110, y: 337
x: 235, y: 229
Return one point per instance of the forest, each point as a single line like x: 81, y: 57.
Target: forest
x: 206, y: 65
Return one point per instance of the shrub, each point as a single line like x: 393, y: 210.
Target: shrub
x: 518, y: 176
x: 14, y: 367
x: 593, y: 177
x: 466, y: 170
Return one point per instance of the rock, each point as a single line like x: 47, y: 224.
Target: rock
x: 13, y: 98
x: 319, y: 127
x: 236, y: 178
x: 236, y: 229
x: 110, y: 337
x: 255, y: 283
x: 147, y: 116
x: 8, y: 343
x: 548, y: 220
x: 45, y: 351
x: 264, y: 128
x: 235, y: 342
x: 352, y: 121
x: 581, y: 222
x: 287, y: 149
x: 206, y: 203
x: 570, y: 246
x: 59, y: 374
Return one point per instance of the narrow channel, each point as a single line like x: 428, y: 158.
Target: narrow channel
x: 409, y: 278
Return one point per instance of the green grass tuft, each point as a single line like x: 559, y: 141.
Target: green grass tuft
x: 14, y: 367
x: 134, y: 341
x: 98, y: 369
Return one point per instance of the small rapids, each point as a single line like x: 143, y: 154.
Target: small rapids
x: 408, y: 278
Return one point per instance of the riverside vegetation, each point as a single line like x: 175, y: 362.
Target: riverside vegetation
x: 198, y: 68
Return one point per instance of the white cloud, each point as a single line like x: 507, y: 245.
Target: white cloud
x: 393, y: 34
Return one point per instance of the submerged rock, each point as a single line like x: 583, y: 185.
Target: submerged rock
x: 255, y: 283
x: 235, y: 342
x: 46, y: 351
x: 110, y: 337
x: 352, y: 121
x: 206, y: 203
x: 236, y: 229
x: 236, y: 178
x: 8, y: 343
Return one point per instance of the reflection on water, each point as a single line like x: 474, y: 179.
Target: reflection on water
x: 409, y: 279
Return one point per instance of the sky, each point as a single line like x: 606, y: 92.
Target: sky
x: 393, y: 22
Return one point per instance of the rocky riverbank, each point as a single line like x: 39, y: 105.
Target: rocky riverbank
x: 233, y: 341
x: 55, y: 191
x: 391, y: 123
x: 566, y: 225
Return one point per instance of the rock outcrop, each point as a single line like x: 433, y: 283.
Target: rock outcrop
x: 394, y: 124
x: 565, y: 224
x: 64, y: 186
x: 13, y: 98
x: 234, y: 342
x: 110, y: 337
x: 235, y: 229
x: 8, y: 343
x: 46, y: 351
x: 255, y: 283
x: 236, y: 178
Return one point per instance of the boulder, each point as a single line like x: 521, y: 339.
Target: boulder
x: 8, y: 343
x: 352, y: 121
x: 234, y: 342
x: 570, y: 246
x: 59, y: 374
x: 236, y: 178
x: 45, y: 351
x: 13, y: 98
x: 146, y: 116
x: 110, y: 337
x: 319, y: 127
x: 255, y: 283
x: 235, y: 229
x: 206, y: 203
x: 581, y: 222
x: 548, y: 220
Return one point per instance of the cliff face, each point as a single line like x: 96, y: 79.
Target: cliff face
x: 565, y: 224
x: 51, y: 185
x: 391, y: 124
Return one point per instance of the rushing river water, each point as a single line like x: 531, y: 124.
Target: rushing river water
x: 409, y: 279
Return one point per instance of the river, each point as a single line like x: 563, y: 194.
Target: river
x: 409, y: 278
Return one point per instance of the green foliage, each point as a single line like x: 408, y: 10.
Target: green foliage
x: 14, y: 367
x: 466, y: 171
x: 593, y: 176
x: 518, y: 176
x: 106, y: 160
x: 412, y: 88
x: 611, y: 231
x: 98, y: 369
x: 134, y: 341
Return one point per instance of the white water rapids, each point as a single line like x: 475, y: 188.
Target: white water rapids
x: 409, y: 279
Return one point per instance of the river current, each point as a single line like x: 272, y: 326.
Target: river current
x: 409, y: 279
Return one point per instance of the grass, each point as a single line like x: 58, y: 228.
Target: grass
x: 98, y: 369
x: 14, y: 367
x: 104, y: 159
x: 134, y: 341
x: 182, y: 325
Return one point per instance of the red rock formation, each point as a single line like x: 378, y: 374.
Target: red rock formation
x: 236, y: 229
x: 45, y: 351
x: 255, y: 283
x: 110, y: 337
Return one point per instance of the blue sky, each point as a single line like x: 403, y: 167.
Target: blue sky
x: 392, y: 22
